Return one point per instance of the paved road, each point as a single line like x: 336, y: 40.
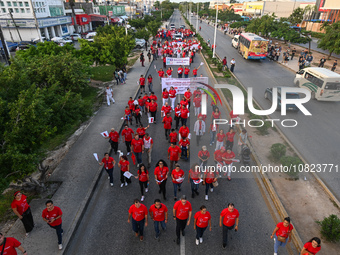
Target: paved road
x: 316, y: 137
x: 104, y: 228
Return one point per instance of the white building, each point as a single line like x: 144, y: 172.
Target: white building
x: 50, y: 15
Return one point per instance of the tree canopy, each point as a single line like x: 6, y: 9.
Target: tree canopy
x: 331, y: 39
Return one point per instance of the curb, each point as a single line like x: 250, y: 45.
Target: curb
x: 80, y: 214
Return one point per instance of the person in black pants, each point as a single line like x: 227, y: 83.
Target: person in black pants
x: 161, y: 176
x: 182, y: 214
x: 230, y: 217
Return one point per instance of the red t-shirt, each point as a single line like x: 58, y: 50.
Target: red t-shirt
x: 220, y: 137
x: 230, y: 136
x: 204, y: 117
x: 172, y: 93
x: 204, y: 154
x: 174, y: 153
x: 202, y: 220
x: 137, y: 145
x: 158, y: 213
x: 21, y: 205
x: 311, y: 249
x: 168, y: 72
x: 218, y: 155
x: 167, y: 122
x: 153, y: 97
x: 184, y: 102
x: 187, y: 95
x: 161, y: 172
x: 180, y: 70
x: 186, y: 71
x: 197, y: 92
x: 229, y: 217
x: 50, y: 215
x: 209, y: 177
x: 165, y: 94
x: 228, y: 156
x: 232, y: 116
x: 161, y: 73
x: 127, y: 133
x: 124, y: 165
x: 150, y: 79
x: 197, y: 101
x: 182, y: 211
x: 194, y: 72
x: 166, y: 109
x: 131, y: 104
x: 142, y: 81
x: 184, y: 131
x: 216, y: 115
x: 178, y: 111
x: 114, y: 136
x: 140, y: 131
x: 177, y: 175
x: 127, y: 112
x: 141, y: 102
x: 173, y: 137
x: 139, y: 213
x: 108, y: 163
x: 143, y: 175
x: 184, y: 143
x: 195, y: 175
x: 145, y: 98
x: 11, y: 244
x: 184, y: 113
x: 137, y: 111
x: 283, y: 231
x: 153, y: 107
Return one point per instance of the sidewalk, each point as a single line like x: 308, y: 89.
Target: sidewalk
x: 78, y: 173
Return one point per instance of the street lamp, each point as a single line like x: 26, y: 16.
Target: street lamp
x: 214, y: 49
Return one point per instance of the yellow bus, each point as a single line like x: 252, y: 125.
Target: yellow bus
x: 252, y: 46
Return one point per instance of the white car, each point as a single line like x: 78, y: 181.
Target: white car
x: 234, y: 41
x: 60, y: 40
x: 90, y: 36
x: 75, y: 37
x: 140, y: 43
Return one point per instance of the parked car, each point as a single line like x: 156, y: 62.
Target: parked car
x: 24, y: 45
x: 75, y: 37
x: 36, y: 40
x: 268, y: 94
x: 90, y: 36
x: 140, y: 43
x: 61, y: 41
x: 235, y: 41
x: 172, y: 26
x: 182, y: 27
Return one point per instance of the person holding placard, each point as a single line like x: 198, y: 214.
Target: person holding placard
x: 209, y: 178
x: 177, y: 176
x: 124, y: 165
x: 143, y: 177
x: 153, y: 107
x: 137, y: 146
x: 194, y: 179
x: 109, y: 164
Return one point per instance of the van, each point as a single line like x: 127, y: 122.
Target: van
x: 234, y: 41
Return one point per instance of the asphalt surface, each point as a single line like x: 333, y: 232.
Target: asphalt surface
x: 316, y: 137
x: 104, y: 228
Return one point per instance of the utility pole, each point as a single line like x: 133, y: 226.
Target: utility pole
x: 36, y: 21
x: 4, y: 47
x: 214, y: 49
x: 197, y: 18
x: 190, y: 13
x: 10, y: 13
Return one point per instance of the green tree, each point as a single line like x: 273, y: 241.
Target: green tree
x: 137, y: 23
x: 331, y: 39
x: 297, y: 16
x: 153, y: 27
x: 143, y: 33
x: 157, y: 5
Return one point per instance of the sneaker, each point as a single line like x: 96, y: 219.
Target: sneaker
x: 142, y: 198
x: 121, y: 185
x: 160, y: 191
x: 146, y: 190
x: 197, y: 242
x: 128, y: 153
x: 141, y: 238
x: 201, y: 239
x: 137, y: 165
x: 211, y: 190
x: 206, y: 197
x: 60, y: 246
x: 179, y: 189
x: 126, y: 184
x: 193, y: 195
x: 27, y: 234
x: 111, y: 184
x: 197, y: 193
x: 275, y: 253
x: 157, y: 238
x: 108, y: 178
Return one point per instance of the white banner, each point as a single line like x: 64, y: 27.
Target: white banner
x: 177, y: 61
x: 182, y: 84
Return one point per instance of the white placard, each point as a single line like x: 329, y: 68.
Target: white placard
x: 151, y: 119
x: 180, y: 180
x: 127, y: 174
x: 189, y: 136
x: 104, y: 134
x: 182, y: 84
x: 202, y: 64
x: 96, y: 156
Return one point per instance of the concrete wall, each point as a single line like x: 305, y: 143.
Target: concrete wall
x: 26, y: 34
x: 281, y: 9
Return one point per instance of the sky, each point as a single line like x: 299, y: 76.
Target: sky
x: 240, y: 1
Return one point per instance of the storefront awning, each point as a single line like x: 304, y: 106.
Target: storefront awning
x: 83, y: 19
x: 97, y: 17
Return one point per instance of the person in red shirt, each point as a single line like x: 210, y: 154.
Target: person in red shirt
x: 137, y: 147
x: 153, y: 97
x: 109, y: 164
x: 218, y: 158
x: 233, y: 117
x: 220, y: 139
x: 131, y: 104
x: 230, y: 138
x: 164, y: 59
x: 143, y: 177
x: 177, y: 111
x: 141, y: 130
x: 228, y: 156
x: 216, y: 114
x: 172, y: 95
x: 165, y: 96
x: 197, y: 104
x: 282, y: 234
x: 124, y: 165
x: 52, y: 216
x: 139, y: 213
x: 127, y: 137
x: 180, y: 71
x: 197, y: 92
x: 186, y: 72
x: 174, y: 153
x: 150, y: 85
x: 182, y: 214
x: 203, y: 156
x: 141, y: 103
x: 313, y: 246
x: 142, y: 84
x: 153, y: 106
x: 230, y: 216
x: 22, y: 209
x: 173, y: 136
x: 127, y: 115
x: 187, y: 96
x: 177, y: 176
x: 184, y: 131
x: 184, y: 143
x: 184, y: 115
x: 201, y: 221
x: 166, y: 108
x: 213, y: 130
x: 145, y: 98
x: 160, y: 73
x: 184, y: 102
x: 159, y: 214
x: 138, y: 115
x: 209, y: 178
x: 169, y: 72
x: 194, y: 178
x: 224, y: 63
x: 10, y: 244
x: 161, y: 176
x: 167, y: 120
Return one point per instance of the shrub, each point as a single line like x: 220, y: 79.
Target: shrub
x: 219, y: 66
x: 263, y: 130
x: 226, y: 74
x: 330, y: 228
x: 277, y: 151
x: 290, y: 162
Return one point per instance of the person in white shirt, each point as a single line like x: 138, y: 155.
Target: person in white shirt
x: 109, y: 95
x: 148, y: 144
x: 199, y: 129
x: 232, y: 65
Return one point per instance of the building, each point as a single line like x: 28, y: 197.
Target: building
x: 51, y: 20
